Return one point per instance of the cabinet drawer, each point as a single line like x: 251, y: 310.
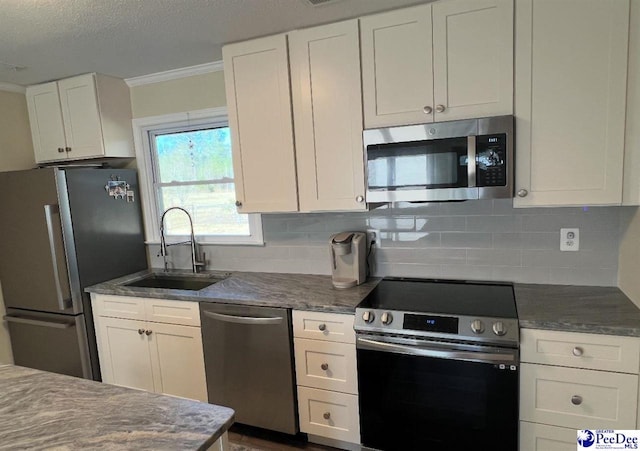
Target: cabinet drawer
x: 324, y: 326
x: 606, y: 400
x: 329, y: 414
x: 541, y: 437
x: 118, y: 306
x: 339, y: 359
x: 172, y: 312
x: 590, y: 351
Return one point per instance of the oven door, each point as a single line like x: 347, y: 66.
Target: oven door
x: 416, y: 394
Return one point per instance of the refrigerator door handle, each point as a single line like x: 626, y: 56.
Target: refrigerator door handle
x: 49, y: 211
x: 38, y: 322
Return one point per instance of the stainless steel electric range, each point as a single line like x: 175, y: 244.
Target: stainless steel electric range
x: 438, y: 365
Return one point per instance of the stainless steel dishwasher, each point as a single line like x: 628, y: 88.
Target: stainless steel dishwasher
x: 249, y: 364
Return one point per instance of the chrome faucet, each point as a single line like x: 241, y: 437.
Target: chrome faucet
x: 196, y: 264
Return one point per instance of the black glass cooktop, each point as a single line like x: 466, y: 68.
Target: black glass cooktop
x: 449, y: 297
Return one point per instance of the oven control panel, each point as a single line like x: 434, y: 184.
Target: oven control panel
x: 481, y: 329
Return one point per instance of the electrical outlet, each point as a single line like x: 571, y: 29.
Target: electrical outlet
x: 569, y: 239
x: 373, y: 235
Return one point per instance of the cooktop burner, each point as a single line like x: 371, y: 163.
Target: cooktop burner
x: 450, y: 297
x: 442, y: 309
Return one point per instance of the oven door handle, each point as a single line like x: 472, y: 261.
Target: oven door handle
x: 508, y: 358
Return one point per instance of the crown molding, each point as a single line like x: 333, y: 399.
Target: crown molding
x: 12, y: 88
x: 174, y: 74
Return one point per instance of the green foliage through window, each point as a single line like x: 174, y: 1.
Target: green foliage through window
x: 194, y: 170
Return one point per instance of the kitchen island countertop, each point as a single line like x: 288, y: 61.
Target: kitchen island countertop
x: 572, y: 308
x: 280, y: 290
x: 41, y: 410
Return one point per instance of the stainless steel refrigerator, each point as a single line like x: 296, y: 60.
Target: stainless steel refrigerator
x: 62, y: 230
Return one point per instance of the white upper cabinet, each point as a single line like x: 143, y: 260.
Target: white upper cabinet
x: 327, y: 106
x: 88, y: 116
x: 258, y: 96
x: 81, y: 116
x: 449, y: 60
x: 45, y: 117
x: 397, y: 67
x: 571, y: 86
x: 472, y: 58
x: 631, y: 188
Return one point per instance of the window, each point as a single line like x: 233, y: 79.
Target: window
x: 185, y: 161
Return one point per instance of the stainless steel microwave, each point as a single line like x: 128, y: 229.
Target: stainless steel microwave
x: 457, y: 160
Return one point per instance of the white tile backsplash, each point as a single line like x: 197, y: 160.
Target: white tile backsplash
x: 484, y: 239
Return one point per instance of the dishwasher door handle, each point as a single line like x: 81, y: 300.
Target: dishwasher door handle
x: 244, y: 319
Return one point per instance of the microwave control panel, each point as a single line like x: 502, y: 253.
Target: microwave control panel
x: 491, y: 156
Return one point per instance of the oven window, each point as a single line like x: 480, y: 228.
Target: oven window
x: 438, y: 163
x: 413, y: 402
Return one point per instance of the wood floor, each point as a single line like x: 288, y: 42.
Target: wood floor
x: 244, y: 438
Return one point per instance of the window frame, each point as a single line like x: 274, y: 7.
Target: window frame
x: 142, y: 130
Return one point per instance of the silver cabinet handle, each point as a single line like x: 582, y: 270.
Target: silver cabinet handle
x: 49, y: 210
x: 440, y: 108
x: 427, y: 110
x: 243, y: 319
x: 326, y: 415
x: 37, y: 322
x: 359, y: 199
x: 324, y: 366
x: 578, y: 351
x: 140, y: 331
x: 60, y: 149
x: 576, y: 400
x: 238, y: 203
x: 148, y: 332
x: 322, y: 327
x: 523, y: 193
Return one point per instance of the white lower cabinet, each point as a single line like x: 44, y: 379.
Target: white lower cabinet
x: 578, y: 399
x: 541, y: 437
x: 150, y: 353
x: 124, y: 353
x: 326, y: 374
x: 571, y: 381
x: 329, y: 414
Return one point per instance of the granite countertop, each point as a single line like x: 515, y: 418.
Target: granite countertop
x: 295, y: 291
x: 40, y: 410
x: 599, y: 310
x: 596, y: 310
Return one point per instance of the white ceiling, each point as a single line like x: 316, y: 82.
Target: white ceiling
x: 54, y: 39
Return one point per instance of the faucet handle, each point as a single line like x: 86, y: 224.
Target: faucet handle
x: 201, y: 264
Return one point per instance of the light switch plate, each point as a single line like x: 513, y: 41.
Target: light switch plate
x: 570, y: 240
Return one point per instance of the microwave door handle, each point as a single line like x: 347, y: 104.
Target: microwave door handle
x: 471, y: 160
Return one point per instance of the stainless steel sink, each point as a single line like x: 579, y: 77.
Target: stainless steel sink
x: 175, y: 282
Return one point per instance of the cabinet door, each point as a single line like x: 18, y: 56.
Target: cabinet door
x: 82, y: 125
x: 327, y: 106
x: 178, y: 360
x: 258, y: 96
x: 124, y: 353
x: 541, y: 437
x: 472, y: 58
x: 397, y: 67
x: 45, y: 117
x: 577, y: 399
x: 571, y: 71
